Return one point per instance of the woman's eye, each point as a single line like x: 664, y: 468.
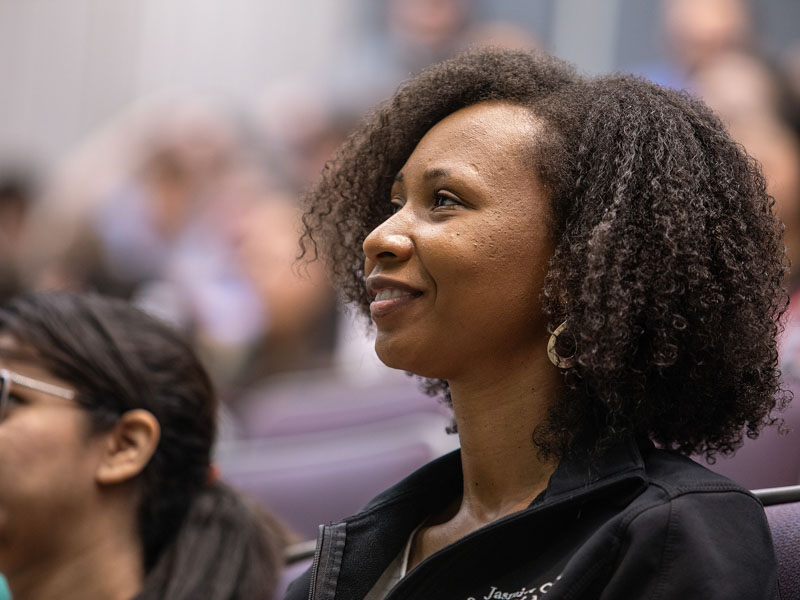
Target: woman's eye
x: 444, y: 200
x: 396, y: 206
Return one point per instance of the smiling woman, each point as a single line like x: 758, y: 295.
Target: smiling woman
x: 106, y: 489
x: 467, y: 236
x: 590, y: 272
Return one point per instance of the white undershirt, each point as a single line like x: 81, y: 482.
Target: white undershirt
x: 394, y: 572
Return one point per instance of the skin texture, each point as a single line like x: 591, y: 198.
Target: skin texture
x: 470, y: 234
x: 466, y: 215
x: 66, y: 488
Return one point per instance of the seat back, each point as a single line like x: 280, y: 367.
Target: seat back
x: 308, y: 479
x: 298, y: 559
x: 317, y: 403
x: 782, y: 506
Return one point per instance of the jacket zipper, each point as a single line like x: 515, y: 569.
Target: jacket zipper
x: 315, y: 563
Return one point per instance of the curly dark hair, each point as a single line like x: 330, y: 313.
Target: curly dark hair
x: 669, y: 264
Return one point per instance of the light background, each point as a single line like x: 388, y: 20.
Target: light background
x: 67, y: 66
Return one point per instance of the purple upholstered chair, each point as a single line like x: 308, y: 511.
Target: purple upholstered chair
x: 321, y: 403
x: 316, y: 449
x: 782, y: 506
x: 298, y: 558
x: 322, y: 476
x: 771, y: 460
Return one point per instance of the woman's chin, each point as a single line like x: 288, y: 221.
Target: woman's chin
x: 406, y: 361
x: 393, y: 361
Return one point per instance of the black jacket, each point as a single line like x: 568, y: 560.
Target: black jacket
x: 638, y: 523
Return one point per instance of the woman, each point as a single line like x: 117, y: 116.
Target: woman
x: 107, y: 420
x: 582, y: 268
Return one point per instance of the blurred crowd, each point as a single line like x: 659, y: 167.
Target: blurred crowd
x: 192, y: 209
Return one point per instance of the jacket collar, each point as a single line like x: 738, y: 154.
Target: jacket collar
x: 383, y: 527
x: 578, y: 473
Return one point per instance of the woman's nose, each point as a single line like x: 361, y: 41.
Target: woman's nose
x: 388, y: 242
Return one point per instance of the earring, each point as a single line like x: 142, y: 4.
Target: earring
x: 562, y: 362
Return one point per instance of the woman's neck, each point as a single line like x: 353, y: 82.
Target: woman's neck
x: 105, y: 567
x: 503, y: 471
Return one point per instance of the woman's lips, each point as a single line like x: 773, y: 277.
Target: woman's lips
x: 386, y: 303
x: 389, y: 295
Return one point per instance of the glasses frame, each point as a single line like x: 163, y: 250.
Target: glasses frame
x: 9, y: 378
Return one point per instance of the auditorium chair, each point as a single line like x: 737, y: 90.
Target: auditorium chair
x: 319, y: 403
x: 782, y: 506
x: 298, y: 558
x: 322, y: 476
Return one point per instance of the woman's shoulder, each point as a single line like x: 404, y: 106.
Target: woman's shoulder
x: 692, y: 533
x: 677, y: 475
x: 683, y: 495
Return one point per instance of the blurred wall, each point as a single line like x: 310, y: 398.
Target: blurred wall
x: 68, y: 65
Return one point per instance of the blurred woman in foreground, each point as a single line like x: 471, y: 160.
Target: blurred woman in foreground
x: 107, y: 420
x: 582, y: 268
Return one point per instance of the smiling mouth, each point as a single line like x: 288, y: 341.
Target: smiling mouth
x: 388, y: 300
x: 390, y: 294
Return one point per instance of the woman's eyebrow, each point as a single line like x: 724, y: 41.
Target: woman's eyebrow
x: 435, y: 173
x: 429, y: 174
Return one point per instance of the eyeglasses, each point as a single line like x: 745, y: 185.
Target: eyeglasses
x: 8, y: 379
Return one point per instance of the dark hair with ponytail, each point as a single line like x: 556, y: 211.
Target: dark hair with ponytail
x: 200, y: 538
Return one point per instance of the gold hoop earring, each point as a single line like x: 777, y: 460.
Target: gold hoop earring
x: 562, y: 362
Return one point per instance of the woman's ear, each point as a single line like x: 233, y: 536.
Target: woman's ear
x: 129, y: 447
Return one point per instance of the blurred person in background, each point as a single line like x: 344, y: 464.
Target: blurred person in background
x: 300, y: 318
x: 186, y: 150
x: 698, y: 30
x: 59, y: 248
x: 410, y: 35
x: 790, y: 65
x: 297, y: 125
x: 16, y: 199
x: 132, y: 196
x: 694, y: 32
x: 197, y: 226
x: 159, y: 230
x: 107, y: 421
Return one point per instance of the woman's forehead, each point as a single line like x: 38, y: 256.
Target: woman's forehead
x: 20, y: 357
x: 490, y: 119
x: 486, y: 132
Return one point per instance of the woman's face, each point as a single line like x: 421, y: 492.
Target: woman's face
x: 47, y: 462
x: 456, y: 272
